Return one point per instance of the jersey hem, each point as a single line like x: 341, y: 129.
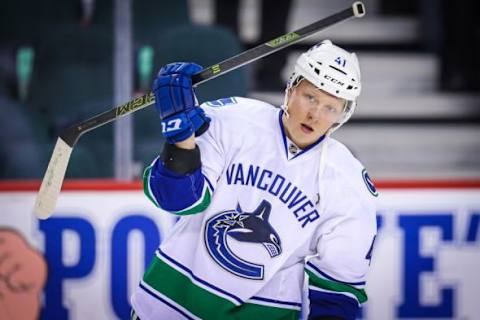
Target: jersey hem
x: 169, y: 280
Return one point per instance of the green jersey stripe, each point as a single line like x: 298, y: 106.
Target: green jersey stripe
x: 146, y: 184
x: 197, y: 281
x: 167, y: 301
x: 336, y: 287
x: 168, y: 282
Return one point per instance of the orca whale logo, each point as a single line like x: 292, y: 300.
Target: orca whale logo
x: 252, y: 227
x: 369, y: 183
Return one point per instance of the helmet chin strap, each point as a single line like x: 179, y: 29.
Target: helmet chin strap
x: 284, y: 106
x: 292, y: 83
x: 345, y: 117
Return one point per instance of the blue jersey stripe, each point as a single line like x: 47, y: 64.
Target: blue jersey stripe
x: 156, y: 296
x: 284, y: 136
x: 211, y: 286
x: 287, y: 303
x: 210, y: 185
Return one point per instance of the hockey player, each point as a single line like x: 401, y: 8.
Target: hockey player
x: 266, y: 197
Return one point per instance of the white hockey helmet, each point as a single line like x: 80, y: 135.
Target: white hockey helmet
x: 331, y: 69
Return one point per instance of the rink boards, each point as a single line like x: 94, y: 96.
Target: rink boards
x: 425, y: 262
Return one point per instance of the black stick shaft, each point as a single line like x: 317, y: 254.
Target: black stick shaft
x: 269, y: 47
x: 72, y: 134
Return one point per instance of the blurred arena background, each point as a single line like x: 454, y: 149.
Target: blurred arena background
x: 416, y: 129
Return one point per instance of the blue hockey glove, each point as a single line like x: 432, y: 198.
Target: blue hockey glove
x: 173, y: 88
x: 182, y: 125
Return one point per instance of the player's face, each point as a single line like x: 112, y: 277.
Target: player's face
x: 312, y: 112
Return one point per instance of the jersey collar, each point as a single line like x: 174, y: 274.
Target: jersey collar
x: 288, y: 144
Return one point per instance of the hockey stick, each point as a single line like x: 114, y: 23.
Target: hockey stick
x: 54, y: 176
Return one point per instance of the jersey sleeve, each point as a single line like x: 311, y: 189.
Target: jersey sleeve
x: 337, y: 274
x: 184, y: 194
x: 212, y: 145
x: 175, y: 193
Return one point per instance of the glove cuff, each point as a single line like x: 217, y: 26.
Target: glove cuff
x: 181, y: 136
x: 200, y: 121
x: 203, y: 128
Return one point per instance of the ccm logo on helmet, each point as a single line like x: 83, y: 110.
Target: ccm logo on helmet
x: 334, y: 80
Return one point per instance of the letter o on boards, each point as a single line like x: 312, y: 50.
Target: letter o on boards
x: 55, y: 227
x: 119, y: 257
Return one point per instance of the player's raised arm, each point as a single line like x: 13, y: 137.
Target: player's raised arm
x: 175, y: 181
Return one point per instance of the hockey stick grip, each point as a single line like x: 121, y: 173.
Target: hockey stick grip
x: 357, y: 9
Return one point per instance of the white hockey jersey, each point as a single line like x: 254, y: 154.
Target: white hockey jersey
x: 267, y: 215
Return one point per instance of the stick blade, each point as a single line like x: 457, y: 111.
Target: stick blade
x: 52, y: 181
